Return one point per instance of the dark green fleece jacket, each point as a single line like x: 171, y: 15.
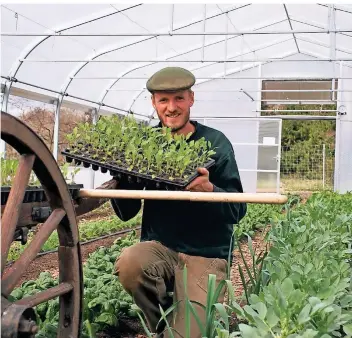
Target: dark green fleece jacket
x: 194, y: 228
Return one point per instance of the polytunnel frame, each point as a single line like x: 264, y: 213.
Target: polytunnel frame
x: 27, y: 52
x: 66, y: 85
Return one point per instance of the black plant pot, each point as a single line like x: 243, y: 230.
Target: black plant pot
x: 132, y: 176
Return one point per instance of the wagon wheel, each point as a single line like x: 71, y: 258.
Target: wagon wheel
x: 18, y: 318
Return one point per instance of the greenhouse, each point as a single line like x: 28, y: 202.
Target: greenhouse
x: 274, y: 79
x: 97, y: 58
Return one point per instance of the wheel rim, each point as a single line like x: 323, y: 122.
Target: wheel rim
x: 36, y: 156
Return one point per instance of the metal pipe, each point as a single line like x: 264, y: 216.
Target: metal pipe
x: 186, y: 196
x: 57, y: 126
x: 338, y: 142
x: 324, y: 161
x: 32, y: 46
x: 204, y: 20
x: 325, y: 31
x: 299, y: 101
x: 171, y: 28
x: 218, y: 91
x: 185, y: 61
x: 69, y: 95
x: 225, y: 44
x: 290, y: 23
x: 298, y: 111
x: 140, y: 66
x: 30, y: 84
x: 273, y: 102
x: 318, y: 43
x: 273, y: 117
x: 201, y: 78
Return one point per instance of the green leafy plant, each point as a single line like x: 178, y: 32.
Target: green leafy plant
x: 87, y: 230
x: 309, y: 292
x: 9, y: 168
x: 257, y: 275
x: 126, y: 144
x: 104, y: 297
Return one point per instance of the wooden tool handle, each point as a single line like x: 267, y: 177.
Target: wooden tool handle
x: 261, y: 198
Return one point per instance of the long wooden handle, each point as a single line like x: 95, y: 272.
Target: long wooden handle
x: 265, y: 198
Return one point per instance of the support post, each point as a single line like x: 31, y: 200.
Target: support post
x: 57, y: 128
x: 4, y: 103
x: 258, y: 105
x: 324, y: 163
x: 95, y: 115
x: 338, y: 134
x: 226, y: 38
x: 171, y: 28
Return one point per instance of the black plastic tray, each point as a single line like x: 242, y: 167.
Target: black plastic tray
x: 132, y: 176
x: 37, y: 194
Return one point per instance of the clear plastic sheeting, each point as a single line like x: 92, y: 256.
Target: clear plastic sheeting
x: 256, y: 143
x: 73, y: 64
x: 98, y: 57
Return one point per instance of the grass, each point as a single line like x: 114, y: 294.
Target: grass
x: 301, y: 184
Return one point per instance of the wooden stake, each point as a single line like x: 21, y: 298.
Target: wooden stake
x: 261, y: 198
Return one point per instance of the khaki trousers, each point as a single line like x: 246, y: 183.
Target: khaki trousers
x: 149, y: 271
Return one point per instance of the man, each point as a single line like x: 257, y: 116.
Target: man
x: 179, y: 233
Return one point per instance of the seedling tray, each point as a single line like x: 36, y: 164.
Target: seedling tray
x: 37, y: 193
x: 133, y: 177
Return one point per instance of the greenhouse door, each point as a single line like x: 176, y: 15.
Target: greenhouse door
x: 257, y: 145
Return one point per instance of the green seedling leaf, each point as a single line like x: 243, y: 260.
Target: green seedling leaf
x: 261, y: 309
x: 348, y: 329
x: 287, y: 287
x: 303, y: 316
x: 248, y: 331
x: 271, y: 318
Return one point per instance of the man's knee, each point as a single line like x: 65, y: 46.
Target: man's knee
x: 128, y: 268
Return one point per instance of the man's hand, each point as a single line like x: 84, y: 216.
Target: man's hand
x: 201, y: 183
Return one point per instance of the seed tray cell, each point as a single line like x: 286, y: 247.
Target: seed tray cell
x: 37, y: 193
x: 132, y: 176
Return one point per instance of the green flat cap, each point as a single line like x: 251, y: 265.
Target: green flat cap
x: 171, y: 79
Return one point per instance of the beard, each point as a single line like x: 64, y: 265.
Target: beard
x: 177, y: 123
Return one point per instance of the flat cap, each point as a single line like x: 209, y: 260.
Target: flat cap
x: 171, y: 79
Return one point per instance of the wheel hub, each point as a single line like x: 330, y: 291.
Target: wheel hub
x: 17, y: 321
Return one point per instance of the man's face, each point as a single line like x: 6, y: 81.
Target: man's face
x: 173, y: 109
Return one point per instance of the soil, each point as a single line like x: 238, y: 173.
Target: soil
x: 92, y: 216
x: 127, y: 327
x: 49, y: 262
x: 259, y: 246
